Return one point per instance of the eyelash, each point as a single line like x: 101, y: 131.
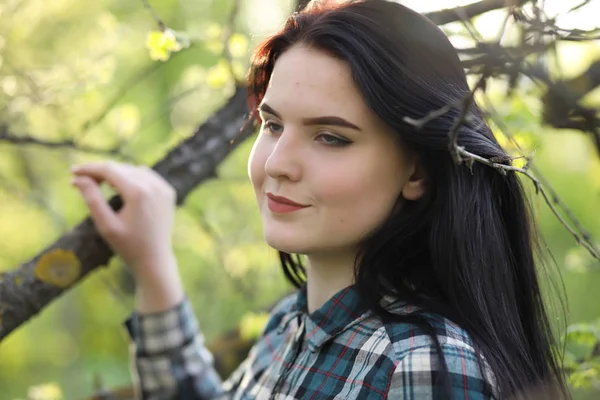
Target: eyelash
x: 337, y: 141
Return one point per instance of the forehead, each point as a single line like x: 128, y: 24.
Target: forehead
x: 308, y: 81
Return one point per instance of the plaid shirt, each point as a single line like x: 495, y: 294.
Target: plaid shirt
x: 340, y: 351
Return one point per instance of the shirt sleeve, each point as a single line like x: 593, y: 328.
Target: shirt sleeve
x: 169, y: 357
x: 419, y: 375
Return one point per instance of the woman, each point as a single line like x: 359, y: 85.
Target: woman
x: 420, y: 279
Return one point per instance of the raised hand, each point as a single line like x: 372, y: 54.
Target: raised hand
x: 140, y: 232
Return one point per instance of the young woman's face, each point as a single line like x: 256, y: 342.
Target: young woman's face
x: 321, y: 147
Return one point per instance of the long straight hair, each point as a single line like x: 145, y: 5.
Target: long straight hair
x: 467, y: 249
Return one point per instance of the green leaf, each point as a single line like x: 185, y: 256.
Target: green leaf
x: 586, y: 376
x: 582, y: 334
x: 162, y: 43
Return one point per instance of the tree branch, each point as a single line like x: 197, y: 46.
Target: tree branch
x: 228, y: 31
x: 195, y: 160
x: 7, y: 136
x: 561, y: 102
x: 448, y: 15
x: 161, y: 25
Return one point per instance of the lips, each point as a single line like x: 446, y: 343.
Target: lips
x: 283, y: 205
x: 284, y: 200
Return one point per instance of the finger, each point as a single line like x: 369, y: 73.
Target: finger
x: 106, y: 220
x: 119, y: 176
x: 151, y: 180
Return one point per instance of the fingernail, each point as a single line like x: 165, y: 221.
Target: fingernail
x: 74, y: 168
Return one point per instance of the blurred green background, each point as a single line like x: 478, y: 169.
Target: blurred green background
x: 75, y: 70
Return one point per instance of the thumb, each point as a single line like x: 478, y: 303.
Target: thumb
x: 106, y: 220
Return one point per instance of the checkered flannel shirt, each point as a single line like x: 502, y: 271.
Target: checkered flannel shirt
x: 340, y: 351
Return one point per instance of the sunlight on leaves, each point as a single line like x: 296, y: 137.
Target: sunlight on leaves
x: 162, y: 44
x: 252, y: 325
x: 245, y: 258
x: 238, y: 45
x: 519, y: 144
x: 586, y: 376
x: 584, y: 369
x: 9, y: 85
x: 583, y: 334
x: 125, y: 120
x: 218, y: 75
x: 594, y: 173
x: 236, y: 263
x: 212, y: 38
x: 46, y: 391
x: 579, y: 260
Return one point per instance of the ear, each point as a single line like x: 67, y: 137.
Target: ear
x: 414, y: 188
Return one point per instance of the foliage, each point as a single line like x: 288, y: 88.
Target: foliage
x: 103, y: 76
x: 584, y: 341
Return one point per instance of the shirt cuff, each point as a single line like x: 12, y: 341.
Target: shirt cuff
x: 160, y: 333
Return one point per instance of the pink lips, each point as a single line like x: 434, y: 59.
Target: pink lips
x: 282, y: 205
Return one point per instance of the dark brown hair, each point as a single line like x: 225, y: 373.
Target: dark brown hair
x: 466, y: 250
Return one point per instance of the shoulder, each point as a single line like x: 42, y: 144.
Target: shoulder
x: 420, y: 366
x: 415, y: 329
x: 279, y: 311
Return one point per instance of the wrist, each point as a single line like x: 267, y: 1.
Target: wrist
x: 158, y: 289
x: 154, y: 270
x: 158, y: 298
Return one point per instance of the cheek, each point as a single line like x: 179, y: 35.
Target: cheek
x: 358, y: 198
x: 256, y: 163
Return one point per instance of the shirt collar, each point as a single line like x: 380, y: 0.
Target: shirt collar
x: 344, y: 310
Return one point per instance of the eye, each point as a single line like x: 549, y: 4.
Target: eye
x: 273, y: 127
x: 332, y: 140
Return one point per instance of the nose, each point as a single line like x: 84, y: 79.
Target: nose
x: 284, y: 161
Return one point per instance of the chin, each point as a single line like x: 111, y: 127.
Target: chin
x: 286, y: 244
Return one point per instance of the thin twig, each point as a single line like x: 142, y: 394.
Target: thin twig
x: 577, y: 7
x: 420, y: 123
x: 469, y: 11
x: 502, y: 168
x: 228, y: 32
x: 6, y: 136
x: 540, y: 176
x: 503, y: 26
x: 467, y: 101
x: 461, y: 155
x: 161, y: 25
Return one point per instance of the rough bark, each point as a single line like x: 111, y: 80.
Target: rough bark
x: 195, y: 160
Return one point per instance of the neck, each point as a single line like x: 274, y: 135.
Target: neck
x: 325, y: 276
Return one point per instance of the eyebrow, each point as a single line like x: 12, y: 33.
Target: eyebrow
x: 325, y: 120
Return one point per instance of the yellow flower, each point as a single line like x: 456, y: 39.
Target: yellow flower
x: 162, y: 43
